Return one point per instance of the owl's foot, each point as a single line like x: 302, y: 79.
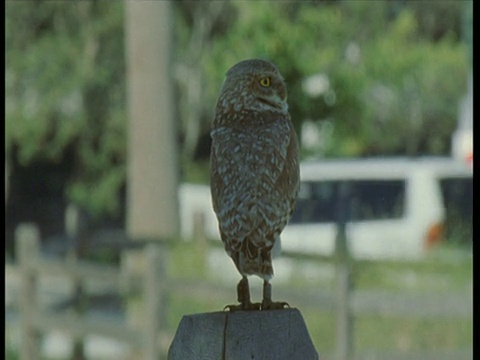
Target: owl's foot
x: 274, y: 305
x: 267, y: 303
x: 243, y: 307
x: 243, y: 296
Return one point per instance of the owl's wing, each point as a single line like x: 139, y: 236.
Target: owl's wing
x: 245, y: 169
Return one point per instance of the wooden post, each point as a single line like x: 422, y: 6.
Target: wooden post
x: 75, y: 229
x: 155, y: 293
x: 152, y: 175
x: 272, y: 334
x: 27, y: 241
x: 344, y: 343
x: 344, y: 317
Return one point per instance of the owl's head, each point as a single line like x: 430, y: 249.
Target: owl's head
x: 253, y: 85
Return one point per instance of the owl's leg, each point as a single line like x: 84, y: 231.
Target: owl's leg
x: 243, y: 296
x: 267, y: 303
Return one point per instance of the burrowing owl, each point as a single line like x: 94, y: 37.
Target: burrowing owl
x: 254, y: 171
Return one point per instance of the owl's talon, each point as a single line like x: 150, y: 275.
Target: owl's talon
x: 243, y: 307
x: 243, y: 296
x: 275, y: 305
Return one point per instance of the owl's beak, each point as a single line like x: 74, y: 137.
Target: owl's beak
x: 275, y: 101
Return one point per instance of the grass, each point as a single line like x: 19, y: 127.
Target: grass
x: 445, y: 270
x: 440, y: 272
x: 411, y: 335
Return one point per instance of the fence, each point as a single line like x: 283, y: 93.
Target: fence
x: 35, y: 321
x: 347, y: 302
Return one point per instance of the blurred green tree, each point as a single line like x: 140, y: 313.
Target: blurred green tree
x: 387, y: 84
x: 65, y: 86
x: 386, y: 79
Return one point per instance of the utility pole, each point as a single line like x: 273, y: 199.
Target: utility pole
x: 152, y: 176
x: 152, y: 150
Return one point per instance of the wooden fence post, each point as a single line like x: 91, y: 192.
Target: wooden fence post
x: 75, y: 227
x: 155, y: 294
x: 344, y: 321
x: 27, y: 240
x: 267, y: 334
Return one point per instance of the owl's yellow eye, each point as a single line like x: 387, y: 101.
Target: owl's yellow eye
x: 265, y: 82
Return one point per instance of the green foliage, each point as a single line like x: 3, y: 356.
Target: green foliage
x: 395, y: 72
x: 391, y: 89
x: 422, y: 79
x: 65, y: 87
x: 197, y: 172
x: 444, y: 271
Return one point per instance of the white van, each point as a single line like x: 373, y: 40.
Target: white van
x: 398, y: 207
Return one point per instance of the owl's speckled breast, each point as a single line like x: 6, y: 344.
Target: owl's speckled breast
x: 254, y: 165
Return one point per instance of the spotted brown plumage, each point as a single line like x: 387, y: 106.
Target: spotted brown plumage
x: 254, y: 171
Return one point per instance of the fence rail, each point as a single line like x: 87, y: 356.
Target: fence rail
x: 35, y: 320
x: 346, y: 301
x: 80, y: 326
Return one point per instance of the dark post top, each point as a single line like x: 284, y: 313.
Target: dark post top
x: 272, y: 334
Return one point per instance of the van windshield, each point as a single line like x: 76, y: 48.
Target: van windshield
x: 369, y: 200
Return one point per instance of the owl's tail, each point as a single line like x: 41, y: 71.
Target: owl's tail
x: 253, y: 260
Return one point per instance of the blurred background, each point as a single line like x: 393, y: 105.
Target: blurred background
x: 365, y: 79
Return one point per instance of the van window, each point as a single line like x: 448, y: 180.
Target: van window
x: 369, y: 200
x: 457, y: 194
x: 377, y: 199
